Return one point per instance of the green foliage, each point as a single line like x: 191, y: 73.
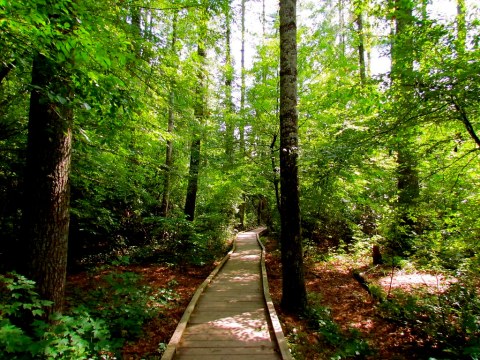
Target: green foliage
x: 345, y: 345
x: 450, y: 321
x: 124, y: 303
x: 24, y: 334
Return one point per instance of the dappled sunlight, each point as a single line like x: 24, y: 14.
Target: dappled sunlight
x: 246, y: 326
x: 432, y: 283
x: 230, y: 318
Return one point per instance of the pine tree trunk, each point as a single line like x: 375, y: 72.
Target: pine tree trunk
x: 47, y: 196
x: 294, y: 296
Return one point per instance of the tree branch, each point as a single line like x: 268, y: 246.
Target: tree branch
x: 466, y: 122
x: 5, y: 69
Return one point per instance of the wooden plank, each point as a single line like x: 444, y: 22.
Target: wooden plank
x: 229, y: 357
x: 226, y: 344
x: 267, y: 350
x: 272, y: 314
x: 210, y: 332
x: 229, y: 320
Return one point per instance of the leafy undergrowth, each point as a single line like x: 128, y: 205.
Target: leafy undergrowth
x: 167, y: 289
x: 130, y: 312
x: 420, y: 319
x: 113, y: 312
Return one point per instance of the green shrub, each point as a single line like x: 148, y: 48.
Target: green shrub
x: 450, y: 321
x: 24, y: 334
x: 347, y: 344
x: 124, y: 303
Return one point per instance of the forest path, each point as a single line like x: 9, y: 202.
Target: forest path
x: 232, y: 316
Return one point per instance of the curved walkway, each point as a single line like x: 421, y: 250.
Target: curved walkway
x: 230, y: 317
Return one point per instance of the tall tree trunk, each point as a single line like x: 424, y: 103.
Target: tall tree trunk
x: 407, y: 173
x: 242, y: 86
x: 361, y: 41
x: 341, y: 24
x: 192, y: 187
x: 276, y: 180
x: 229, y: 128
x: 137, y: 30
x: 171, y: 126
x: 294, y: 295
x: 47, y: 196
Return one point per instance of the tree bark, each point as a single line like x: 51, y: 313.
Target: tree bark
x: 407, y: 173
x: 47, y: 186
x: 170, y: 128
x: 276, y: 181
x: 294, y: 295
x: 341, y: 24
x: 361, y: 42
x: 5, y: 70
x: 229, y: 129
x: 242, y: 87
x: 192, y: 187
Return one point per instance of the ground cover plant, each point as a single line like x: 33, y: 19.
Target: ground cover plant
x: 113, y: 313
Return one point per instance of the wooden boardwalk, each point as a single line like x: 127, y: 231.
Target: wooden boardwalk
x: 229, y: 316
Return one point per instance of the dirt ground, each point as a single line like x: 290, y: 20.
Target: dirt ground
x: 352, y: 307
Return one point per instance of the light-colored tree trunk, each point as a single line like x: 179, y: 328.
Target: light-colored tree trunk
x: 358, y: 13
x: 242, y: 86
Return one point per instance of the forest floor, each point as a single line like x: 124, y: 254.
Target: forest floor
x: 330, y: 283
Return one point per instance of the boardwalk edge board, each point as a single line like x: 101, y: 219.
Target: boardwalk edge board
x: 177, y: 335
x: 272, y: 314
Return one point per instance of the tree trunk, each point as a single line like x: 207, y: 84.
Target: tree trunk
x: 407, y: 173
x: 47, y: 196
x: 361, y: 42
x: 275, y: 174
x: 229, y: 128
x: 294, y: 295
x: 192, y: 187
x: 242, y: 87
x: 341, y: 24
x: 171, y: 126
x: 137, y: 30
x: 5, y: 70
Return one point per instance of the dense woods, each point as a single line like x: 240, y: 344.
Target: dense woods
x: 149, y: 131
